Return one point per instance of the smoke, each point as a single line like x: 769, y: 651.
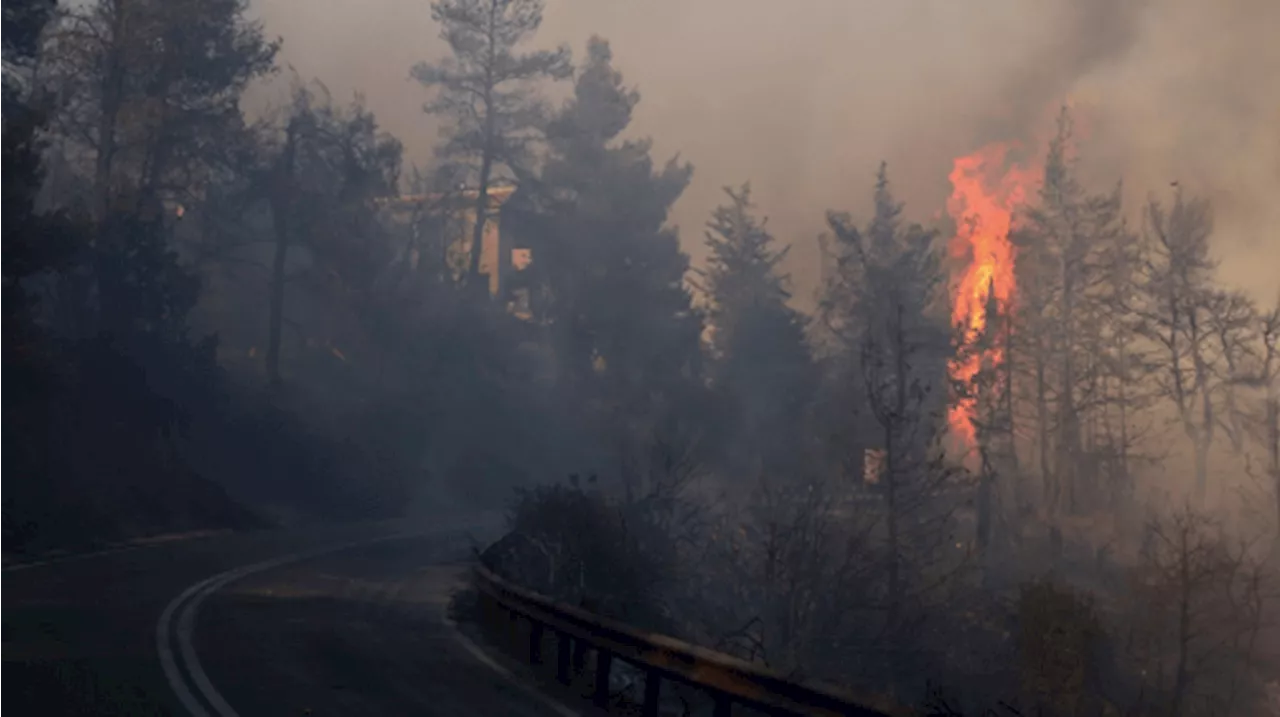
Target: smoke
x: 805, y: 98
x: 1197, y: 101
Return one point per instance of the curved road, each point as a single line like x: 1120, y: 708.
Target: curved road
x: 323, y: 621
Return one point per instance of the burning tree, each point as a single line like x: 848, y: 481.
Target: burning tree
x: 983, y: 203
x: 986, y: 395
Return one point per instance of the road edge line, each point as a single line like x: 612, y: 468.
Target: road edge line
x: 484, y: 657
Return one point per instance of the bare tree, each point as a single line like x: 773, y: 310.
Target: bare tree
x: 1064, y: 247
x: 1174, y: 313
x: 1125, y: 369
x: 1232, y: 319
x: 1262, y: 419
x: 1201, y: 601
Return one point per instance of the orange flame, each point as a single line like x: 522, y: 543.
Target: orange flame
x: 986, y: 191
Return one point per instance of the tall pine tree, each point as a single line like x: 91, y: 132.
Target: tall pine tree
x: 882, y: 305
x: 484, y: 90
x: 761, y: 359
x: 609, y: 270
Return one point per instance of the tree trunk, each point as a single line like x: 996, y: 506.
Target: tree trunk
x: 1184, y: 624
x: 1068, y: 419
x: 112, y: 90
x: 1273, y: 439
x: 1207, y: 419
x: 1201, y: 450
x: 893, y: 466
x: 482, y: 211
x: 159, y: 151
x: 1008, y: 411
x: 1042, y: 421
x: 486, y: 156
x: 984, y: 503
x: 281, y: 214
x: 1122, y: 457
x: 276, y: 310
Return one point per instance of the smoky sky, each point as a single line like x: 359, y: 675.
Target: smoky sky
x: 805, y: 97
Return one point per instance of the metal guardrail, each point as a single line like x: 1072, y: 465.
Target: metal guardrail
x: 726, y: 679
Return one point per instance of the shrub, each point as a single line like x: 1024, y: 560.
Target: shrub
x: 574, y: 545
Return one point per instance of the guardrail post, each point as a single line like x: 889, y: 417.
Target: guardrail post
x: 563, y: 644
x: 579, y: 656
x: 513, y: 629
x: 535, y: 642
x: 604, y: 661
x: 652, y: 689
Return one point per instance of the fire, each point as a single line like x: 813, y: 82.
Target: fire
x: 986, y: 192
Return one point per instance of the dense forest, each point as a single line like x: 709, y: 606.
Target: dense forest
x: 1025, y: 470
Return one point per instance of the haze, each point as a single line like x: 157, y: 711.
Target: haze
x: 295, y: 427
x: 804, y: 99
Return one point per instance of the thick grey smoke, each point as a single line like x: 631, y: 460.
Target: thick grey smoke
x: 805, y: 98
x: 1197, y: 100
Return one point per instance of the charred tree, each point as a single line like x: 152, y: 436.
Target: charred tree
x: 1063, y: 255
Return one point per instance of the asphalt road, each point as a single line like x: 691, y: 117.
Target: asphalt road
x: 308, y: 631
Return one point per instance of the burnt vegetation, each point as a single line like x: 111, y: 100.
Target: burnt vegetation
x: 220, y: 321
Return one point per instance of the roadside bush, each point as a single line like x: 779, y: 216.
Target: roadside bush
x: 1059, y: 641
x: 574, y: 545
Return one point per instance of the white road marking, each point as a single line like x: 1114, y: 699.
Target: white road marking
x: 190, y: 600
x: 165, y: 650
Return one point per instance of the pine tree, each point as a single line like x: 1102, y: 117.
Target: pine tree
x: 484, y: 90
x: 761, y: 357
x: 882, y: 304
x: 330, y: 164
x: 992, y: 417
x: 610, y: 273
x: 150, y: 93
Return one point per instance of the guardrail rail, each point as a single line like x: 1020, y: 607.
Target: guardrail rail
x: 728, y: 680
